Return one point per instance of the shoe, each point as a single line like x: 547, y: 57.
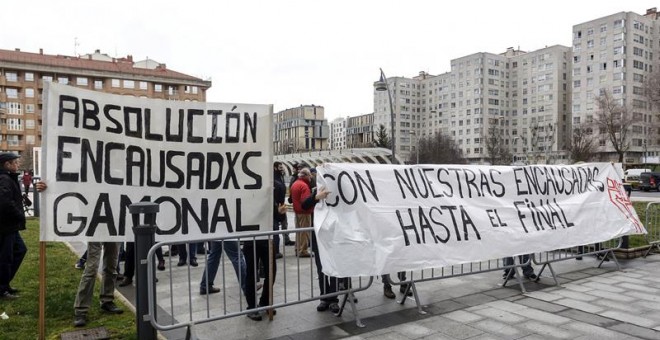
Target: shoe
x: 579, y: 258
x: 265, y: 311
x: 508, y: 275
x: 7, y: 295
x: 80, y: 264
x: 403, y: 288
x: 201, y: 251
x: 531, y: 277
x: 127, y: 281
x: 279, y: 256
x: 181, y: 263
x: 110, y: 307
x: 323, y: 306
x: 79, y: 321
x: 256, y: 316
x: 193, y: 262
x: 603, y: 257
x: 387, y: 291
x: 211, y: 290
x: 161, y: 265
x: 289, y: 243
x: 306, y: 254
x: 334, y: 308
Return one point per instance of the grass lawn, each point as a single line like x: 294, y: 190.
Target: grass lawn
x: 62, y: 283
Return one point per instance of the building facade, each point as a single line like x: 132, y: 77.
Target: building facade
x: 23, y: 74
x: 300, y: 129
x: 337, y: 138
x: 360, y: 131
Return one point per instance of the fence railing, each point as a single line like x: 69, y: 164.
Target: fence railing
x: 652, y: 226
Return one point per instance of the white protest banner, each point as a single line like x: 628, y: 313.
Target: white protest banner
x: 381, y: 219
x: 207, y: 165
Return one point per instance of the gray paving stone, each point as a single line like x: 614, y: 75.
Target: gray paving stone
x: 621, y: 297
x: 645, y: 296
x: 576, y: 287
x: 629, y: 318
x: 474, y: 299
x: 575, y: 295
x: 500, y: 315
x: 548, y: 331
x: 542, y: 305
x: 500, y: 329
x: 614, y: 305
x: 591, y: 330
x: 545, y: 296
x: 605, y: 287
x: 592, y: 319
x: 451, y: 328
x: 413, y: 330
x: 636, y: 331
x: 581, y: 305
x: 542, y: 316
x: 638, y: 287
x: 463, y: 316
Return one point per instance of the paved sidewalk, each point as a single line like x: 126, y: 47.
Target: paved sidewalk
x: 592, y: 303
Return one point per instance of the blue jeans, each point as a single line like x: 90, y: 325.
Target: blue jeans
x: 233, y: 251
x: 12, y: 252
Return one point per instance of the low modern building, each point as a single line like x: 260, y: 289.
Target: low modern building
x: 300, y: 129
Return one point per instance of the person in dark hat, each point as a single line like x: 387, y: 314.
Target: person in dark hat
x: 12, y: 220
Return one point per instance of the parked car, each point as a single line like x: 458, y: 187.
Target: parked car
x: 631, y: 176
x: 649, y: 180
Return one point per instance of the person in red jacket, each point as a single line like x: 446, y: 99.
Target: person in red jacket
x: 300, y: 190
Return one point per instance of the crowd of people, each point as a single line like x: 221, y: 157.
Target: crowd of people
x: 255, y: 260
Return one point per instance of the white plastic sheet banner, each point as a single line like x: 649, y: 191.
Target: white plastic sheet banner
x: 207, y: 165
x: 380, y: 219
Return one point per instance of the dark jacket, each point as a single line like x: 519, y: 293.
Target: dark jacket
x: 279, y: 194
x: 12, y: 217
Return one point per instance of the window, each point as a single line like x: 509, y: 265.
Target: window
x: 618, y: 50
x: 63, y: 80
x: 618, y: 89
x: 638, y: 51
x: 12, y: 93
x: 29, y: 139
x: 576, y: 83
x: 618, y: 23
x: 143, y: 85
x: 158, y: 88
x: 29, y: 123
x: 115, y: 83
x: 590, y: 43
x: 603, y: 28
x: 576, y: 71
x: 129, y: 84
x: 98, y: 84
x: 29, y: 108
x: 638, y: 90
x: 638, y: 65
x: 576, y: 58
x: 638, y: 78
x: 29, y: 76
x: 13, y: 140
x: 14, y: 108
x: 15, y: 124
x: 29, y: 93
x: 11, y: 76
x: 577, y: 47
x: 47, y: 78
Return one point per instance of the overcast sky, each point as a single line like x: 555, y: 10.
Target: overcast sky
x: 289, y: 53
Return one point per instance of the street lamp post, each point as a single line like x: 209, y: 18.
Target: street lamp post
x: 644, y: 153
x: 382, y: 85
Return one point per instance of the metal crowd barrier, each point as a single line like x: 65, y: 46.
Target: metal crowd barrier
x: 175, y: 305
x: 432, y: 274
x: 652, y: 226
x: 604, y: 251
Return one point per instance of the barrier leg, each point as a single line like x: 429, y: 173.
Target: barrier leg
x: 190, y: 332
x: 552, y: 271
x: 144, y: 240
x: 648, y: 251
x: 618, y: 267
x: 414, y: 290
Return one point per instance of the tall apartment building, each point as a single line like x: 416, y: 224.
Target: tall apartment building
x: 337, y: 138
x: 360, y: 131
x: 22, y: 75
x: 300, y: 129
x: 521, y: 97
x: 534, y: 100
x: 616, y: 54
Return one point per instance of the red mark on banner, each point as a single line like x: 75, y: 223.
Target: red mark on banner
x: 620, y: 199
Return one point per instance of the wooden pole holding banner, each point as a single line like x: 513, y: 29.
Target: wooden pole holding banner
x: 42, y: 290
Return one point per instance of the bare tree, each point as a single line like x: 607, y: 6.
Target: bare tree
x: 498, y: 153
x: 27, y: 159
x: 382, y: 139
x: 615, y: 122
x: 438, y: 149
x: 652, y: 93
x: 582, y: 147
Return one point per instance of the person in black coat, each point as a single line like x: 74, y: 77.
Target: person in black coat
x: 12, y: 220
